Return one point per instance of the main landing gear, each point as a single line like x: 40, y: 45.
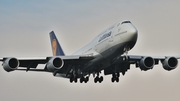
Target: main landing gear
x: 84, y: 79
x: 73, y: 78
x: 115, y: 77
x: 98, y: 79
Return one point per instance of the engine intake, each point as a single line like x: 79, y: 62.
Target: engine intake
x: 170, y: 63
x: 146, y: 63
x: 10, y: 64
x: 55, y: 63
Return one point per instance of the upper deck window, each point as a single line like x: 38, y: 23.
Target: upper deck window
x: 126, y: 22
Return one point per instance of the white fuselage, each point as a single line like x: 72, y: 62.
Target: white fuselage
x: 109, y: 44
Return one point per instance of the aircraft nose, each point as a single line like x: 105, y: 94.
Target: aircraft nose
x: 133, y: 34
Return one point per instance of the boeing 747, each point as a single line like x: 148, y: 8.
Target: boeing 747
x: 108, y: 53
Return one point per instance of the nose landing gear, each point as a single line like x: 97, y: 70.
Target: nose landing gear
x: 126, y: 49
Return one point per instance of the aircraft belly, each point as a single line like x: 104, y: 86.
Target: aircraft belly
x: 102, y: 61
x: 113, y: 52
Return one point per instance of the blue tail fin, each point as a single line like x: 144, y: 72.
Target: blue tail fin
x: 56, y: 47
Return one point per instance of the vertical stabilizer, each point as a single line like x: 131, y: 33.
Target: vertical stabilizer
x: 56, y: 47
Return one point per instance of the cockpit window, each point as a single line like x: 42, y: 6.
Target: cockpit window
x: 125, y: 22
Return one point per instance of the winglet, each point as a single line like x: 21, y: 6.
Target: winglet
x: 56, y: 47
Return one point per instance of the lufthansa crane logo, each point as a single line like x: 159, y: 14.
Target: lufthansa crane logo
x: 54, y: 47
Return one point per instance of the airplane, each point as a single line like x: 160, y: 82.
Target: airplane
x: 108, y: 52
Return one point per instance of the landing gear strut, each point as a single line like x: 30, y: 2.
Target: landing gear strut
x: 73, y: 77
x: 126, y: 49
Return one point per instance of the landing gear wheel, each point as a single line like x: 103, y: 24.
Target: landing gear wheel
x: 86, y: 79
x: 112, y: 79
x: 117, y: 79
x: 81, y: 79
x: 95, y: 79
x: 100, y: 79
x: 75, y: 80
x: 71, y: 78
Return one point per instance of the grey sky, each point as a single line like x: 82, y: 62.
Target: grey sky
x: 24, y: 28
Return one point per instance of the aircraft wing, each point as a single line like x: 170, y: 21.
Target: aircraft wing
x: 30, y: 64
x: 122, y: 63
x: 135, y: 58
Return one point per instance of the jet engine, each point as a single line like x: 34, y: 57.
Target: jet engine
x: 10, y: 64
x: 55, y: 63
x: 169, y: 63
x: 146, y: 63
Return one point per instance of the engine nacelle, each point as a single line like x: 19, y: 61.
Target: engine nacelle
x: 55, y: 63
x: 146, y: 63
x: 10, y: 64
x: 170, y: 63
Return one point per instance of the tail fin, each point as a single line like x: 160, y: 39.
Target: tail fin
x: 56, y: 47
